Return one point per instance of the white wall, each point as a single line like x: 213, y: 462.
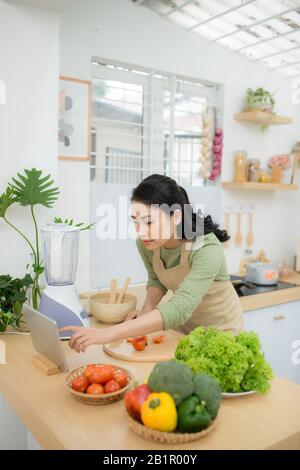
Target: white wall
x: 122, y: 31
x: 119, y: 30
x: 28, y: 120
x: 28, y: 137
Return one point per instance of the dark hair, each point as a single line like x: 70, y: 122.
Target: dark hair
x: 162, y: 190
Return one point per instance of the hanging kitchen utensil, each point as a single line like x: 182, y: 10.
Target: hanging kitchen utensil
x: 124, y: 289
x: 238, y: 237
x: 250, y: 236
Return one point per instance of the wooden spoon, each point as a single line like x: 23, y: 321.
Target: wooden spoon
x: 113, y: 292
x: 124, y: 289
x: 238, y: 237
x: 250, y: 236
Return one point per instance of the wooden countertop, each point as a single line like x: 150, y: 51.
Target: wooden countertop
x: 58, y: 421
x: 250, y: 302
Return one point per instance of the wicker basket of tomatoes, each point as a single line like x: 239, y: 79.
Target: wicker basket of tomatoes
x: 98, y: 384
x: 175, y: 406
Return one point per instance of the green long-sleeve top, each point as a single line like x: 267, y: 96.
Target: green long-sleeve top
x: 208, y: 264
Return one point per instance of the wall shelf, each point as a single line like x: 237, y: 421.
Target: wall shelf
x: 262, y: 118
x: 259, y: 186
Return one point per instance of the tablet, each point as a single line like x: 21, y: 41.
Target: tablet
x: 45, y: 337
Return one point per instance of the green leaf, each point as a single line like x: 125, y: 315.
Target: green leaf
x: 6, y: 200
x: 33, y: 188
x: 38, y: 269
x: 5, y: 281
x: 81, y: 225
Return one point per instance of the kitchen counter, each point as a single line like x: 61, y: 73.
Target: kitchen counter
x: 58, y: 421
x: 253, y: 302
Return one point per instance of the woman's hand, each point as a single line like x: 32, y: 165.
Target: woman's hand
x: 84, y: 337
x: 135, y: 314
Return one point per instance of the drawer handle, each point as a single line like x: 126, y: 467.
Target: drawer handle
x: 279, y: 317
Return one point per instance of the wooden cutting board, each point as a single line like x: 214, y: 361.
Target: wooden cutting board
x: 152, y: 353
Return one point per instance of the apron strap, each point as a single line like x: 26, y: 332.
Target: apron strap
x: 185, y: 252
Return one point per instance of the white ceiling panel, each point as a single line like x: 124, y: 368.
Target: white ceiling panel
x: 266, y: 31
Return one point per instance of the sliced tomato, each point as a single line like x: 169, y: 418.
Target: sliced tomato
x: 139, y: 345
x: 138, y: 338
x: 158, y: 339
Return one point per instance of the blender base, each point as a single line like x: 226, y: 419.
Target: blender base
x: 62, y: 305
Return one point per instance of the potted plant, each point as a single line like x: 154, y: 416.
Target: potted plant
x: 29, y: 190
x: 13, y: 294
x: 259, y: 100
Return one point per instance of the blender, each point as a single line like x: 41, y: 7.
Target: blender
x: 59, y: 299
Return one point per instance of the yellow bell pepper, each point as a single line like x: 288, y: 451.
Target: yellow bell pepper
x: 159, y: 412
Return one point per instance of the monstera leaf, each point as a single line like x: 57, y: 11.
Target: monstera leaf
x: 6, y: 200
x: 33, y: 188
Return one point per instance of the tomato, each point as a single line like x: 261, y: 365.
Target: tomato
x: 102, y: 374
x: 139, y: 345
x: 95, y: 389
x: 134, y: 400
x: 88, y: 371
x: 111, y: 386
x: 158, y: 339
x: 138, y: 338
x: 141, y: 338
x: 80, y: 384
x: 120, y: 377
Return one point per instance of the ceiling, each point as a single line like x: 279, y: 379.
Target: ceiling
x: 266, y: 31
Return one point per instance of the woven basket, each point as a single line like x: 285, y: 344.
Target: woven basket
x: 167, y: 437
x: 104, y: 399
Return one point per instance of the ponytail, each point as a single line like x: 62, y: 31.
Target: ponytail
x: 207, y: 224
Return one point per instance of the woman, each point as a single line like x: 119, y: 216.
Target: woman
x: 182, y: 251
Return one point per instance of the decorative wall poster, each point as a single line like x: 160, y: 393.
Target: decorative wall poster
x: 74, y: 126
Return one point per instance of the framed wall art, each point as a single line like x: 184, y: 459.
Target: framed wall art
x: 74, y: 126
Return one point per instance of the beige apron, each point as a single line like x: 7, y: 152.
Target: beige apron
x: 220, y: 306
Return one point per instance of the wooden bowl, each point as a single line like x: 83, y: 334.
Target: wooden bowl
x: 167, y: 437
x: 111, y: 313
x: 104, y: 399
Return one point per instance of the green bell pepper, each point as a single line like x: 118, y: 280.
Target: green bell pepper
x: 192, y: 415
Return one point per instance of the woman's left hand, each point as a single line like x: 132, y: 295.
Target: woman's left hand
x: 84, y: 337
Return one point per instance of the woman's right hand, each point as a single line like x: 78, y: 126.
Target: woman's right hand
x: 135, y: 314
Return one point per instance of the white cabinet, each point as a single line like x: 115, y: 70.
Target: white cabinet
x: 287, y: 326
x: 261, y: 321
x: 279, y: 330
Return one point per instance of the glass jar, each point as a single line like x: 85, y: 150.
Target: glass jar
x: 276, y: 174
x: 240, y: 158
x: 253, y: 170
x: 265, y: 176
